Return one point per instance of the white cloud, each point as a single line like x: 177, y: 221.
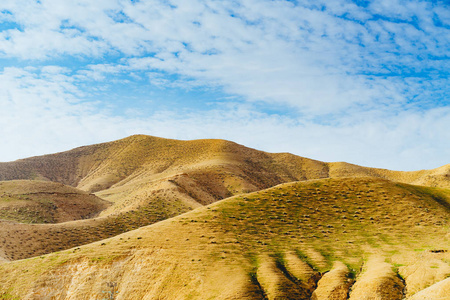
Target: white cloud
x: 352, y: 80
x: 40, y: 112
x: 262, y: 50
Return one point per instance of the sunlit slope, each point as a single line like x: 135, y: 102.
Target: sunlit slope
x: 21, y: 240
x: 99, y: 167
x: 439, y: 177
x: 375, y: 236
x: 203, y: 170
x: 46, y: 202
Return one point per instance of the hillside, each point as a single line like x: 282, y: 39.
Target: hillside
x: 46, y: 202
x: 21, y: 240
x: 99, y: 167
x: 200, y: 172
x: 148, y: 179
x: 366, y: 237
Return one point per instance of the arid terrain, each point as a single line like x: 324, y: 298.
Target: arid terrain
x: 153, y: 218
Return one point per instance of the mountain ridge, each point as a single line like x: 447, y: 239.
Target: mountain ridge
x: 98, y: 167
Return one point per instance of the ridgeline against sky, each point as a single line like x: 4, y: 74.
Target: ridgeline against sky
x: 359, y: 81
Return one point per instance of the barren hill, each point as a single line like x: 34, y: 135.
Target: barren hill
x: 149, y: 179
x: 46, y: 202
x: 199, y: 172
x: 362, y: 238
x: 99, y: 167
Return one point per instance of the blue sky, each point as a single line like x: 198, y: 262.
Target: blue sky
x: 365, y: 82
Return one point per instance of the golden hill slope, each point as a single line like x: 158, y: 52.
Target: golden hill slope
x: 98, y: 167
x: 373, y: 236
x: 203, y: 171
x: 46, y: 202
x: 148, y: 179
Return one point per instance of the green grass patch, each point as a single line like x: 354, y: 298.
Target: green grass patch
x: 8, y: 296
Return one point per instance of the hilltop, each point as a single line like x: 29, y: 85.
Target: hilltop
x: 102, y: 166
x: 363, y: 237
x: 148, y: 179
x: 199, y: 172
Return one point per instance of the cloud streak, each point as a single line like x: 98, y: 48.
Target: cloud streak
x: 350, y: 74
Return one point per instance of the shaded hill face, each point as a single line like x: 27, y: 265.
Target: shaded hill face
x: 46, y: 202
x: 320, y: 239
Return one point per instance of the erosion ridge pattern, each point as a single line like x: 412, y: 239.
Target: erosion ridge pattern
x: 347, y: 237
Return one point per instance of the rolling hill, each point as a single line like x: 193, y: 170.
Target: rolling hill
x: 46, y: 202
x: 152, y: 218
x: 200, y: 172
x: 345, y: 238
x: 148, y: 179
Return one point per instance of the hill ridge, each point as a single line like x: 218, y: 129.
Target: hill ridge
x: 78, y: 166
x: 148, y: 179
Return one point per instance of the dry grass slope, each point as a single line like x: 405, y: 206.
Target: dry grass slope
x: 46, y: 202
x: 273, y: 244
x: 263, y: 245
x: 126, y: 172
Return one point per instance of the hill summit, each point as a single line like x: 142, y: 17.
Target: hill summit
x: 153, y: 218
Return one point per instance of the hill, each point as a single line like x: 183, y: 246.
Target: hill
x: 99, y: 167
x: 367, y: 238
x: 439, y: 177
x: 46, y: 202
x: 200, y: 172
x: 19, y: 240
x: 148, y: 179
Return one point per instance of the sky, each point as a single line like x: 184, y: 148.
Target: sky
x: 366, y: 82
